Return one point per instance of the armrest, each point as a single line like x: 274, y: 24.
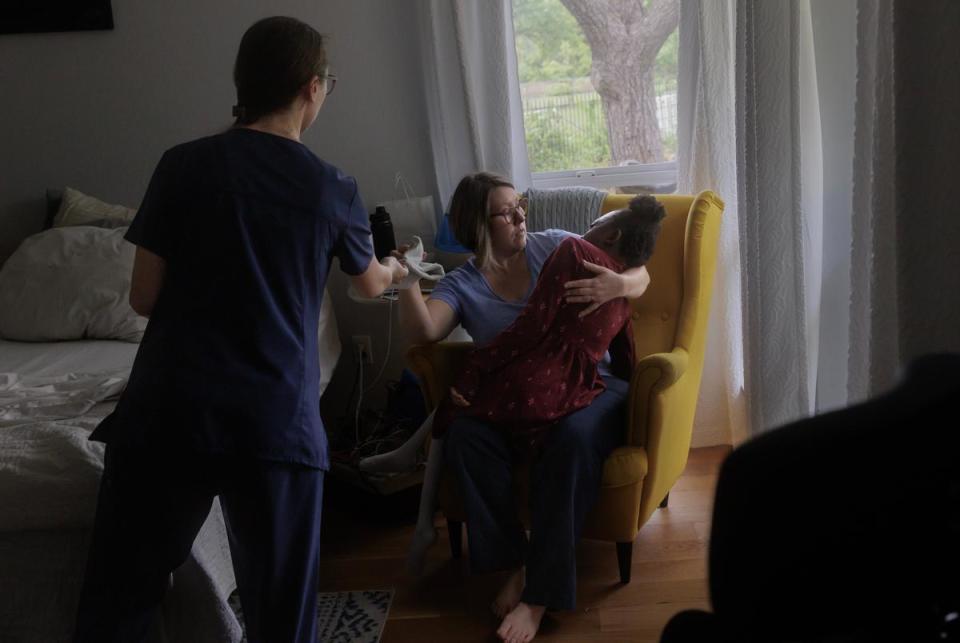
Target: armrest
x: 651, y: 375
x: 435, y: 366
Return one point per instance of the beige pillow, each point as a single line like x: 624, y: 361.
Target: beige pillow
x: 77, y: 208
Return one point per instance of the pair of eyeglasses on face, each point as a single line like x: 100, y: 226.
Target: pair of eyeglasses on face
x: 516, y: 212
x: 329, y: 82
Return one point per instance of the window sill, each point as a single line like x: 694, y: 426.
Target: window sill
x: 659, y: 178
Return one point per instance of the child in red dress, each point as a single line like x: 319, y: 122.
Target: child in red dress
x: 544, y: 366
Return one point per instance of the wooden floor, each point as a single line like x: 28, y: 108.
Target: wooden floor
x: 365, y: 540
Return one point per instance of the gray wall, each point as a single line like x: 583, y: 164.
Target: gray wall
x: 95, y: 110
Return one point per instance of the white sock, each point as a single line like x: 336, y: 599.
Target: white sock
x: 424, y: 534
x: 404, y: 457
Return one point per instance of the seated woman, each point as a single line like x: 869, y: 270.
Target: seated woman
x: 484, y: 296
x: 544, y: 366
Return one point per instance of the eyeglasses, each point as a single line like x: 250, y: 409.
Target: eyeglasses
x: 515, y: 212
x: 330, y: 81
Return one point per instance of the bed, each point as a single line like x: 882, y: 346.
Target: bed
x: 52, y: 395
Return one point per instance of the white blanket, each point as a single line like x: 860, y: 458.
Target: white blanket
x: 49, y: 477
x: 49, y: 470
x: 35, y: 399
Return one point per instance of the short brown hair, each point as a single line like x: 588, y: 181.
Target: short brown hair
x: 469, y: 210
x: 277, y: 57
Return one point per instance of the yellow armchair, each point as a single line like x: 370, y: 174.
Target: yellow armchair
x: 670, y: 332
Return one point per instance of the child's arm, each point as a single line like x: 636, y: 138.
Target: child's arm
x: 530, y: 326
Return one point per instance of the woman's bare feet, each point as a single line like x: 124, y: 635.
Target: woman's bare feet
x: 509, y: 595
x: 521, y: 624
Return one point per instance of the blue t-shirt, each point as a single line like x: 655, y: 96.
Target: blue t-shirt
x: 248, y: 223
x: 482, y: 312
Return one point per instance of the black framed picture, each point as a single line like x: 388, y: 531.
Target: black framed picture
x: 34, y: 16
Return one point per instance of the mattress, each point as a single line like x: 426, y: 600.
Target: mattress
x: 46, y: 359
x: 50, y: 359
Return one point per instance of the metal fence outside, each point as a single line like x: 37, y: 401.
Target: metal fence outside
x: 568, y: 131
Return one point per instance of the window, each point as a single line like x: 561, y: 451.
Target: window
x: 625, y: 134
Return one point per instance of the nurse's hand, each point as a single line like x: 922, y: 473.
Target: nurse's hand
x: 401, y: 251
x: 397, y: 270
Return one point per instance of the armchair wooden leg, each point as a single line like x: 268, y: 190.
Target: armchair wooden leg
x: 666, y: 499
x: 455, y: 530
x: 624, y: 557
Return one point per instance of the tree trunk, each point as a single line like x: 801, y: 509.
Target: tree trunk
x: 625, y: 37
x: 629, y: 101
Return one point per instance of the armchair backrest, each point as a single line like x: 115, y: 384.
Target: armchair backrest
x: 673, y: 310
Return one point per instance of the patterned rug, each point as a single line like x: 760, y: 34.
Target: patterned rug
x: 344, y: 617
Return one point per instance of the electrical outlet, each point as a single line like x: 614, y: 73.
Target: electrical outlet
x: 364, y: 345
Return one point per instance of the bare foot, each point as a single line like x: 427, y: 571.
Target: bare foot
x: 509, y: 595
x: 521, y: 624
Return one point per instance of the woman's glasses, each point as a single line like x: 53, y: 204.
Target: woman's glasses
x: 330, y: 81
x: 516, y: 212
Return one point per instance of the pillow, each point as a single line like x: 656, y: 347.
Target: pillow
x: 69, y: 283
x: 77, y: 208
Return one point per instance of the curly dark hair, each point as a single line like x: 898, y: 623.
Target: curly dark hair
x: 639, y: 226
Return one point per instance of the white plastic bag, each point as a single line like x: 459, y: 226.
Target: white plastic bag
x: 412, y: 215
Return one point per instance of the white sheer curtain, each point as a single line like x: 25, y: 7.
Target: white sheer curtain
x: 472, y: 90
x: 753, y: 135
x: 707, y: 140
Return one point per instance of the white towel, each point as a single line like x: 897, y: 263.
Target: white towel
x: 419, y: 269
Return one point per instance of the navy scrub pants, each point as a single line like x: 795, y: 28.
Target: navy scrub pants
x: 564, y: 485
x: 149, y: 511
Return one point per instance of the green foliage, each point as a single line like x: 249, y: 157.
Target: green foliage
x: 566, y: 132
x: 564, y: 120
x: 550, y: 45
x: 665, y: 67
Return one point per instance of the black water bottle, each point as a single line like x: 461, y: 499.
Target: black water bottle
x: 384, y: 242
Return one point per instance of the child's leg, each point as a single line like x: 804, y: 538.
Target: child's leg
x: 425, y: 534
x: 404, y: 457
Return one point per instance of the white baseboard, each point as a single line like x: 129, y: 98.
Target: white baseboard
x: 710, y: 437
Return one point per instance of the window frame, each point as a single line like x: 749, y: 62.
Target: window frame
x: 660, y: 178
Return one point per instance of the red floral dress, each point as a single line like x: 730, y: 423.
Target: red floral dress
x: 544, y: 365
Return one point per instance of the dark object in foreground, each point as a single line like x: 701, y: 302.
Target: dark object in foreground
x: 844, y: 526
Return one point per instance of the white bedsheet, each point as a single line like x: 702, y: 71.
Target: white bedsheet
x: 52, y: 395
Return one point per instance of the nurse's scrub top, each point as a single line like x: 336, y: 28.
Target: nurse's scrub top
x: 248, y: 223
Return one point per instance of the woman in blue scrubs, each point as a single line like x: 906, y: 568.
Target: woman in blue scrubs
x: 235, y: 238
